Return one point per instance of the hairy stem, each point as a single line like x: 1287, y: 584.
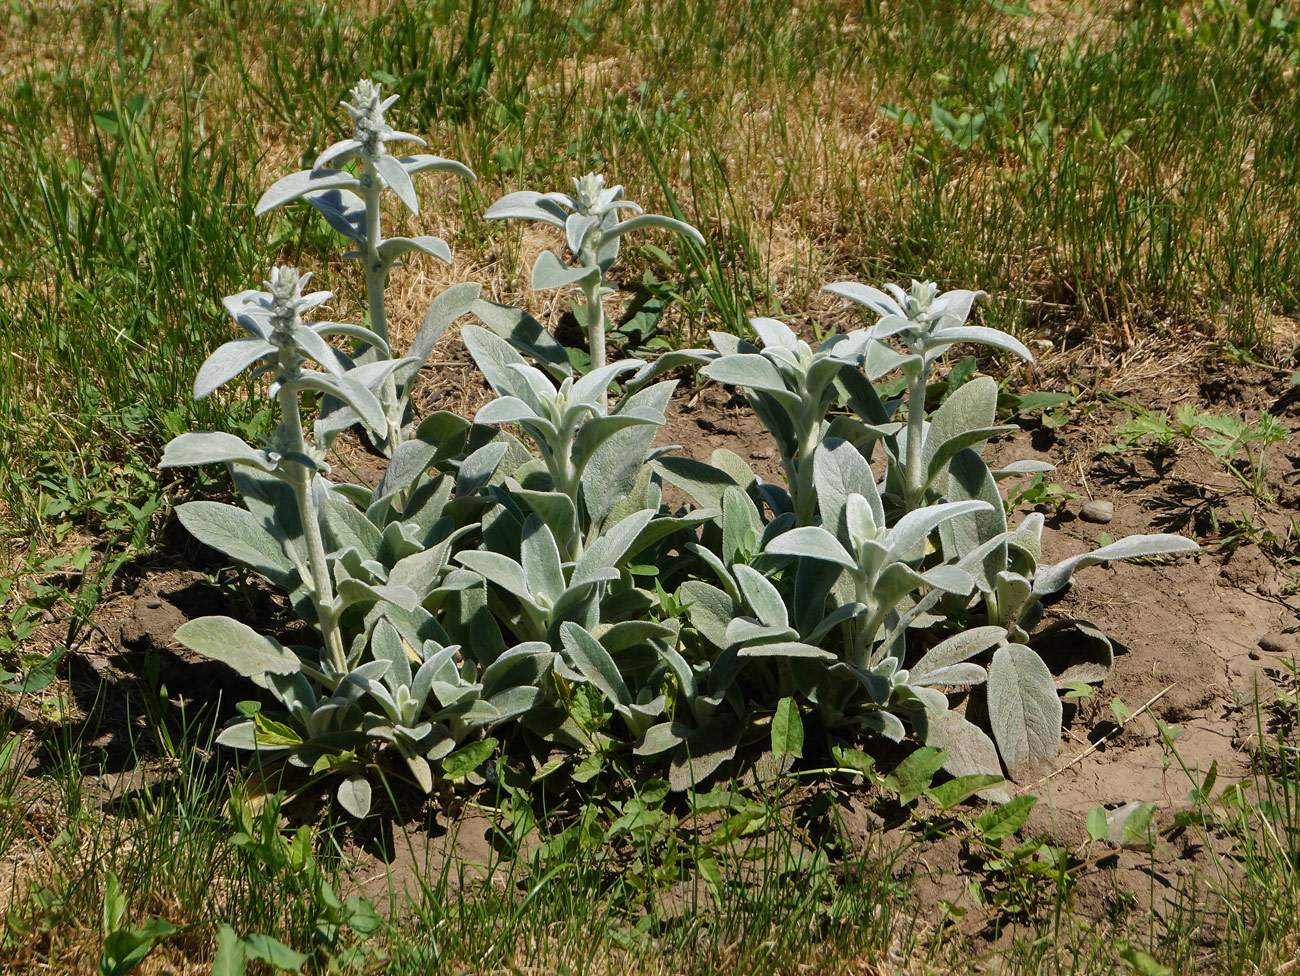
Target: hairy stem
x: 915, y: 437
x: 595, y: 324
x: 322, y: 586
x: 376, y: 273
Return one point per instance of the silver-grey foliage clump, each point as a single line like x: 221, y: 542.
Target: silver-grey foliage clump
x: 540, y: 592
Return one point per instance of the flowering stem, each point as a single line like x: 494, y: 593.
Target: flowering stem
x: 322, y: 586
x: 376, y: 272
x: 915, y: 437
x: 595, y: 324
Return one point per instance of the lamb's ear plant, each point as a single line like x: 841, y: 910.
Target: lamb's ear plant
x: 928, y: 324
x: 352, y: 205
x: 279, y: 336
x: 791, y: 386
x: 593, y: 230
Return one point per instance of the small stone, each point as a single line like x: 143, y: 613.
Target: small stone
x: 1097, y: 511
x: 153, y: 603
x: 1278, y: 643
x: 1254, y: 655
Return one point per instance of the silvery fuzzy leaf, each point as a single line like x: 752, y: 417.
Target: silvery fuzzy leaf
x: 741, y: 524
x: 576, y: 227
x: 704, y: 750
x: 213, y: 447
x: 599, y: 430
x: 540, y: 558
x: 958, y: 675
x: 969, y: 479
x: 394, y: 247
x: 552, y: 507
x: 386, y: 645
x: 1053, y: 578
x: 352, y: 591
x: 252, y: 318
x: 525, y: 334
x: 343, y: 210
x: 883, y: 358
x: 840, y: 615
x: 786, y: 650
x: 495, y: 359
x: 530, y: 205
x: 352, y: 332
x: 228, y: 361
x: 339, y: 152
x: 972, y: 406
x: 957, y: 648
x: 345, y: 527
x: 509, y: 410
x: 238, y: 647
x: 478, y: 469
x: 372, y: 374
x: 762, y: 596
x: 396, y: 136
x: 242, y: 735
x: 669, y: 361
x: 896, y: 581
x: 316, y: 348
x: 972, y: 439
x: 811, y: 542
x: 840, y: 470
x: 424, y: 162
x: 395, y: 175
x: 730, y: 345
x: 592, y: 387
x: 703, y: 483
x: 1024, y: 710
x: 660, y: 738
x: 654, y: 221
x: 912, y: 529
x: 501, y: 571
x: 774, y: 334
x: 608, y: 550
x: 968, y: 751
x: 983, y: 336
x: 514, y: 702
x: 617, y: 478
x: 242, y: 536
x: 351, y: 392
x: 634, y: 638
x: 665, y: 525
x: 299, y: 184
x: 550, y: 272
x: 863, y: 400
x: 872, y: 298
x: 813, y: 582
x: 354, y: 796
x: 950, y: 579
x: 594, y: 663
x: 952, y: 308
x: 1014, y: 596
x: 752, y: 372
x: 1022, y: 467
x: 521, y: 664
x: 886, y: 723
x: 709, y: 610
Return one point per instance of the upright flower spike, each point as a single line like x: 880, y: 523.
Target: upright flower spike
x: 928, y: 324
x: 593, y: 232
x: 334, y: 192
